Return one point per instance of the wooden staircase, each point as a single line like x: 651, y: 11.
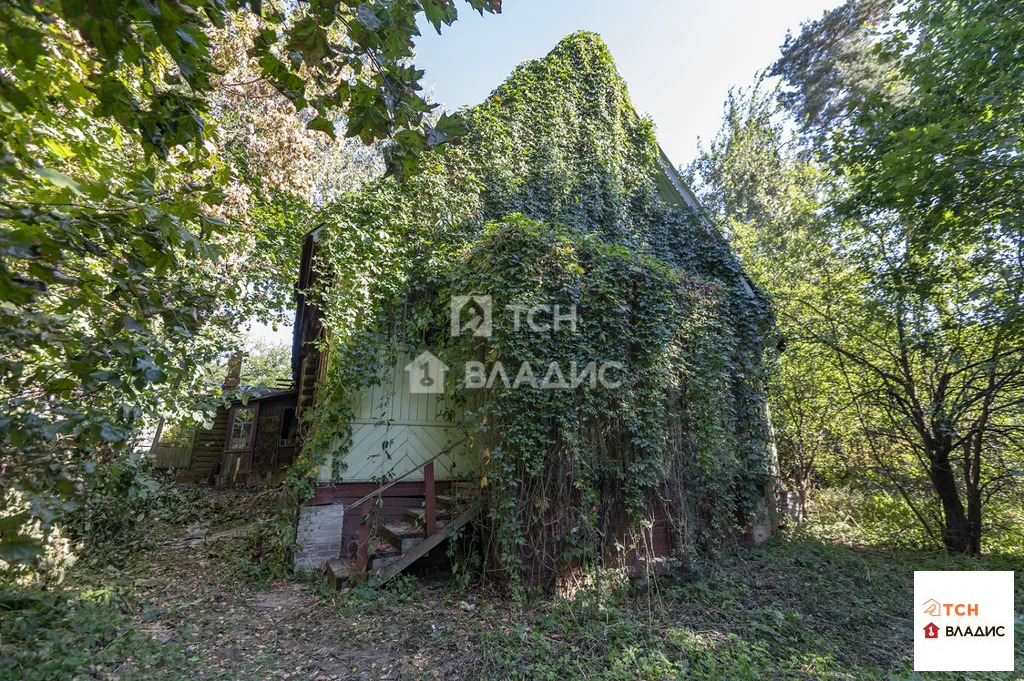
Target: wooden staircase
x: 402, y: 544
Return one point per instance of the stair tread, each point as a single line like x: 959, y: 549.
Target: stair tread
x: 338, y: 572
x: 402, y: 531
x: 420, y: 514
x: 417, y: 552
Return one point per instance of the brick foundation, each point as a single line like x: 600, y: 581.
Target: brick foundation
x: 318, y: 536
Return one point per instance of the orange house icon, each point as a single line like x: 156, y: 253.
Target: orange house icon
x: 931, y: 630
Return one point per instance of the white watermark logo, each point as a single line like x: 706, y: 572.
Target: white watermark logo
x: 592, y: 374
x: 472, y: 314
x: 536, y: 317
x: 426, y: 374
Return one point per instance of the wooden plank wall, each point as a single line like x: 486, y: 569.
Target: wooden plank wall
x: 268, y: 434
x: 405, y: 495
x: 413, y: 425
x: 208, y: 446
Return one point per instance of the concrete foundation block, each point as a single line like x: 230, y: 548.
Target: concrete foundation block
x: 318, y: 536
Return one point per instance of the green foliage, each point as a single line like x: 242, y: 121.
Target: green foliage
x: 873, y: 517
x: 770, y: 199
x: 68, y: 634
x: 820, y: 615
x: 349, y: 56
x: 889, y: 240
x: 803, y: 606
x: 132, y: 249
x: 940, y: 143
x: 831, y: 66
x: 673, y: 431
x: 266, y: 364
x: 117, y: 497
x: 122, y: 504
x: 567, y: 213
x: 925, y: 320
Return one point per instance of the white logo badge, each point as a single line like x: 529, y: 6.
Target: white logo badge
x: 471, y: 314
x: 426, y: 374
x: 963, y: 621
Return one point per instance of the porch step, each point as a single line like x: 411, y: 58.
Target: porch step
x: 450, y: 500
x: 338, y: 572
x: 418, y: 517
x: 401, y: 537
x: 383, y: 559
x: 422, y: 547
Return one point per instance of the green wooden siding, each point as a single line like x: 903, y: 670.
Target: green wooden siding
x: 413, y: 425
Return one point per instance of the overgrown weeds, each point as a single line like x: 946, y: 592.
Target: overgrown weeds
x: 76, y: 634
x: 803, y: 606
x: 799, y: 608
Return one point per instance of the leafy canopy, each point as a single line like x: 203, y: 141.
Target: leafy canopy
x: 129, y: 260
x: 914, y: 112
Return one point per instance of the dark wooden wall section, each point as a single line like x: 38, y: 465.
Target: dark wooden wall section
x: 307, y: 362
x: 268, y: 434
x: 207, y: 448
x: 405, y: 495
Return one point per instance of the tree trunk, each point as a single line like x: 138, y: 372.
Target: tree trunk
x: 974, y: 520
x: 972, y: 478
x: 956, y: 531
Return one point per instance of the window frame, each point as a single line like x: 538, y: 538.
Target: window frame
x: 255, y: 407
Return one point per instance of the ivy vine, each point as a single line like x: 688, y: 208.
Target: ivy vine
x: 552, y: 199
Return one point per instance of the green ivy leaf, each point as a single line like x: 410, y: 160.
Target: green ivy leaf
x: 447, y: 129
x: 323, y: 125
x: 440, y: 12
x: 367, y: 17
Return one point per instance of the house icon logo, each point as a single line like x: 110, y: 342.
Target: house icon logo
x: 471, y: 314
x: 931, y: 630
x: 426, y: 374
x: 932, y: 607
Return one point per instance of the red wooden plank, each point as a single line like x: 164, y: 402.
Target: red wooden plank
x: 364, y: 537
x: 322, y: 497
x: 431, y: 512
x: 393, y: 505
x: 348, y: 492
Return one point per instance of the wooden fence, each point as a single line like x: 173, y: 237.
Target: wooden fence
x: 172, y: 456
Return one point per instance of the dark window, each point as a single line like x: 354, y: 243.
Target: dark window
x: 288, y: 427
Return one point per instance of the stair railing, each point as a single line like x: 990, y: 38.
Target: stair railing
x: 365, y: 504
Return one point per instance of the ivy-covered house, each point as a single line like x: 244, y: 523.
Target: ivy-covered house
x: 537, y: 343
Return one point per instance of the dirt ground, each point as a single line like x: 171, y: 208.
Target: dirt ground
x: 748, y: 615
x: 229, y: 629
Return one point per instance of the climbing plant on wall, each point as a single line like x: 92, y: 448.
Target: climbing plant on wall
x: 564, y: 213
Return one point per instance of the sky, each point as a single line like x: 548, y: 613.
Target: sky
x: 678, y: 57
